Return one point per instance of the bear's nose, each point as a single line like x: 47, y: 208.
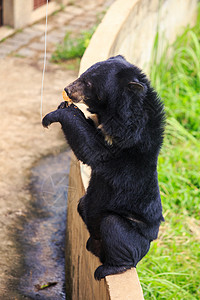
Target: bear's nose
x: 67, y: 90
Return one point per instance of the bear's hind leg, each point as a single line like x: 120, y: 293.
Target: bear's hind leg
x: 94, y: 246
x: 122, y: 246
x: 81, y: 209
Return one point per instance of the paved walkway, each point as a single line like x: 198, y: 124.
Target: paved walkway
x: 23, y: 139
x: 73, y: 18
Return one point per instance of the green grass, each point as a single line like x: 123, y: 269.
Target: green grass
x: 72, y: 47
x: 171, y: 269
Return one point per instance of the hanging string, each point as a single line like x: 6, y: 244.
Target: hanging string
x: 45, y: 58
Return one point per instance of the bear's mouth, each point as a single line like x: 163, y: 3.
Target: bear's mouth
x: 75, y: 92
x: 76, y: 98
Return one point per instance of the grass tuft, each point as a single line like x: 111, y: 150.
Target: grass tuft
x: 72, y: 47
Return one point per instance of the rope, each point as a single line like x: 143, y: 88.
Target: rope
x: 45, y: 58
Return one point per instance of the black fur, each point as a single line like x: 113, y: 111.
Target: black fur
x: 122, y: 207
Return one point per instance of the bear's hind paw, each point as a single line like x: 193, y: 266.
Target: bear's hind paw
x: 103, y: 271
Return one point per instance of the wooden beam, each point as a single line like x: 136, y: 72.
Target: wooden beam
x: 81, y: 264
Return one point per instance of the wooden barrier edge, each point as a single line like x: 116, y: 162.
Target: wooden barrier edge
x: 81, y: 264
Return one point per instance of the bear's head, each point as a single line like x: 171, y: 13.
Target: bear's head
x: 115, y: 91
x: 103, y: 85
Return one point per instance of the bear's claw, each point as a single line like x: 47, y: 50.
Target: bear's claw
x: 46, y: 122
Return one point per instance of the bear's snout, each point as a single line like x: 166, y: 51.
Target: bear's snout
x: 75, y: 91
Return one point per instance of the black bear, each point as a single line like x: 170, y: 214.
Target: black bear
x: 122, y: 207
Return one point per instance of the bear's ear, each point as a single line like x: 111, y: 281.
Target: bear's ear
x: 135, y: 86
x: 117, y: 56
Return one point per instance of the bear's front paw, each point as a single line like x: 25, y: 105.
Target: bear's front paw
x: 62, y: 105
x: 54, y: 116
x: 46, y: 121
x: 73, y: 111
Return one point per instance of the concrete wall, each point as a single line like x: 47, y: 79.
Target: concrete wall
x: 129, y: 28
x: 12, y: 12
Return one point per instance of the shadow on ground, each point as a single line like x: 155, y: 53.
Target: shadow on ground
x: 43, y: 237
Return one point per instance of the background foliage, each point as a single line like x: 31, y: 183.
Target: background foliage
x: 171, y: 269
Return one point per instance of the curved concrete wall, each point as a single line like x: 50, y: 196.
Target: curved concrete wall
x: 129, y: 28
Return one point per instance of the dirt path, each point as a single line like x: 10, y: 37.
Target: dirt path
x: 23, y: 142
x: 23, y: 139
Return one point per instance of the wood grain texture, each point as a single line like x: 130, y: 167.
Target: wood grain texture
x: 81, y: 264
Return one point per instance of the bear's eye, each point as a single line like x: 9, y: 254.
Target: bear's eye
x: 88, y: 84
